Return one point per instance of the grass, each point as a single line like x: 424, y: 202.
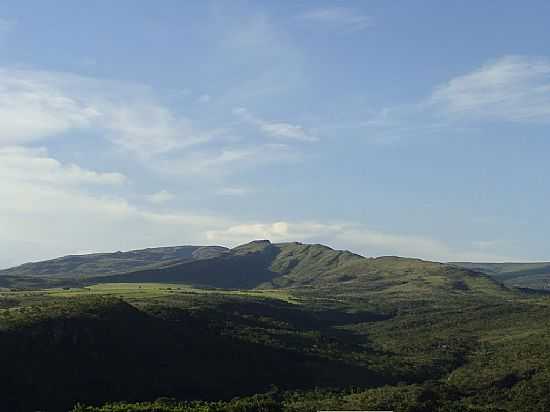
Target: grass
x: 141, y: 291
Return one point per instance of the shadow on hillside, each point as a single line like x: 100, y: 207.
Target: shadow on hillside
x: 245, y: 271
x: 121, y: 353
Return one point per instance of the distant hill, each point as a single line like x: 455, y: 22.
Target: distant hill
x: 262, y: 264
x: 255, y: 264
x: 265, y: 265
x: 524, y: 275
x: 102, y: 264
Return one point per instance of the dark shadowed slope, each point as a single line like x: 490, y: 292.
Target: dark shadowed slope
x: 256, y: 264
x: 93, y: 349
x: 99, y: 264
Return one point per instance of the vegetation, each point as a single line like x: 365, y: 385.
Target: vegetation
x: 524, y: 275
x: 379, y: 334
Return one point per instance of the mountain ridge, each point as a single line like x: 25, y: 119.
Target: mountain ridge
x: 259, y: 264
x: 110, y: 262
x: 529, y: 275
x: 321, y: 269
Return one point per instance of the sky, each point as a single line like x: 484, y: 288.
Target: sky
x: 411, y: 128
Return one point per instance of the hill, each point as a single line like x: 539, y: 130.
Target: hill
x: 523, y: 275
x: 202, y: 347
x: 265, y: 265
x: 256, y: 264
x: 318, y: 269
x: 100, y: 264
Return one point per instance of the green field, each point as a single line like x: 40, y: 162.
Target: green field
x: 139, y: 291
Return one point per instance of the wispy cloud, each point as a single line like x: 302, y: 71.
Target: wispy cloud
x: 161, y: 197
x: 37, y: 189
x: 19, y: 164
x: 339, y: 17
x: 38, y: 106
x: 280, y: 130
x: 512, y: 88
x: 44, y: 199
x: 35, y: 105
x: 30, y: 218
x: 227, y: 160
x: 233, y: 191
x: 354, y: 236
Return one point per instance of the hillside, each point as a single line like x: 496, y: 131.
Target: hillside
x: 261, y: 264
x: 524, y: 275
x: 100, y: 264
x: 313, y: 269
x: 256, y: 264
x: 390, y: 340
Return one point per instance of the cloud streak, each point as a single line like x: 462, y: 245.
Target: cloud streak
x: 19, y: 164
x: 512, y: 88
x: 278, y: 130
x: 38, y: 105
x: 354, y: 236
x: 161, y: 197
x: 339, y: 17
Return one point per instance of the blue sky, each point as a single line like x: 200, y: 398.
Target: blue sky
x: 404, y: 128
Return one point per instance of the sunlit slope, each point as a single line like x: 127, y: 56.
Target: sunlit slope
x: 398, y: 281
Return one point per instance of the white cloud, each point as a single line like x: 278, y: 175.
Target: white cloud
x: 340, y: 17
x: 18, y: 164
x: 47, y: 211
x: 509, y: 89
x: 227, y: 160
x: 233, y: 191
x: 279, y: 130
x: 149, y: 129
x: 42, y: 221
x: 355, y: 237
x: 36, y: 105
x: 512, y: 88
x: 31, y: 109
x: 160, y: 197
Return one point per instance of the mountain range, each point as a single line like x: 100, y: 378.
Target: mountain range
x: 259, y: 264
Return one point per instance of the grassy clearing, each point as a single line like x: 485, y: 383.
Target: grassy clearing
x: 144, y: 291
